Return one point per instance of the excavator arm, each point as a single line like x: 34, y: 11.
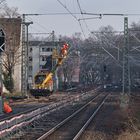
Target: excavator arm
x: 61, y: 57
x: 43, y: 87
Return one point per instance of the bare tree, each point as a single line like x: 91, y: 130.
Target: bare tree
x: 2, y: 3
x: 12, y: 54
x: 9, y: 12
x: 68, y: 68
x: 11, y: 58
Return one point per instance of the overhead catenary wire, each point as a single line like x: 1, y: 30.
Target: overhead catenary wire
x: 39, y: 33
x: 84, y: 13
x: 72, y: 16
x: 43, y: 27
x: 69, y: 13
x: 51, y: 14
x: 89, y: 18
x: 67, y: 9
x: 79, y: 13
x: 111, y: 14
x: 82, y: 16
x: 136, y: 48
x: 98, y: 15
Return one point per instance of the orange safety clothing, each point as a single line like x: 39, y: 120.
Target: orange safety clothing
x: 7, y: 108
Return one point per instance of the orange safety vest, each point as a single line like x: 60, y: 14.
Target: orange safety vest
x: 7, y: 108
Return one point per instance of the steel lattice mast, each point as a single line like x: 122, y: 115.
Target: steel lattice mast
x: 23, y: 59
x: 126, y: 68
x: 126, y: 65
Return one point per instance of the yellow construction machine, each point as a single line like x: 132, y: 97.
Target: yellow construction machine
x: 43, y: 80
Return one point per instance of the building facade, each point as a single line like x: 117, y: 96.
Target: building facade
x: 40, y: 58
x: 11, y: 57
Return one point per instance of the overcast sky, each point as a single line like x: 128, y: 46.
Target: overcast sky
x: 67, y: 24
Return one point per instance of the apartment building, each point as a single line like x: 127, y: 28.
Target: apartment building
x: 40, y: 59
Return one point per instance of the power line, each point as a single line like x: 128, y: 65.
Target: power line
x: 82, y: 28
x: 82, y: 16
x: 67, y: 9
x: 73, y: 16
x: 51, y: 14
x: 89, y: 18
x: 102, y: 14
x: 43, y: 27
x: 40, y: 33
x: 84, y: 13
x: 110, y: 14
x: 79, y: 6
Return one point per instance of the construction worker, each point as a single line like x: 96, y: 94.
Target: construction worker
x: 64, y: 50
x: 7, y: 108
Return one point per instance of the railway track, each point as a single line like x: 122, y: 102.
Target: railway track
x: 12, y: 126
x: 74, y: 125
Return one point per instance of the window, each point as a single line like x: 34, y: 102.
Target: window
x: 30, y: 49
x: 48, y: 49
x: 30, y: 68
x: 51, y: 49
x: 30, y: 77
x: 41, y: 66
x: 43, y: 58
x: 30, y: 58
x: 43, y: 49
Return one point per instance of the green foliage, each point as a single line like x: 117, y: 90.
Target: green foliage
x: 8, y: 82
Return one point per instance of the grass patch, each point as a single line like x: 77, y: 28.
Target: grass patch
x: 129, y: 136
x: 13, y: 96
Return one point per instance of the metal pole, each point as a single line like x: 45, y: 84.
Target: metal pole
x: 1, y: 86
x: 126, y: 67
x: 23, y: 59
x: 54, y: 63
x: 27, y: 57
x: 27, y: 66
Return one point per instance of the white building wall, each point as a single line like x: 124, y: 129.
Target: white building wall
x: 17, y: 78
x: 40, y: 50
x: 35, y: 60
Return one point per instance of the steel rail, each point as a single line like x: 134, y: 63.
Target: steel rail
x: 23, y: 119
x: 44, y: 136
x: 90, y: 119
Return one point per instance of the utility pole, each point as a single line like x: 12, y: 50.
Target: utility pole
x: 27, y: 57
x: 24, y: 53
x: 55, y: 78
x: 23, y: 59
x: 25, y: 45
x: 126, y: 66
